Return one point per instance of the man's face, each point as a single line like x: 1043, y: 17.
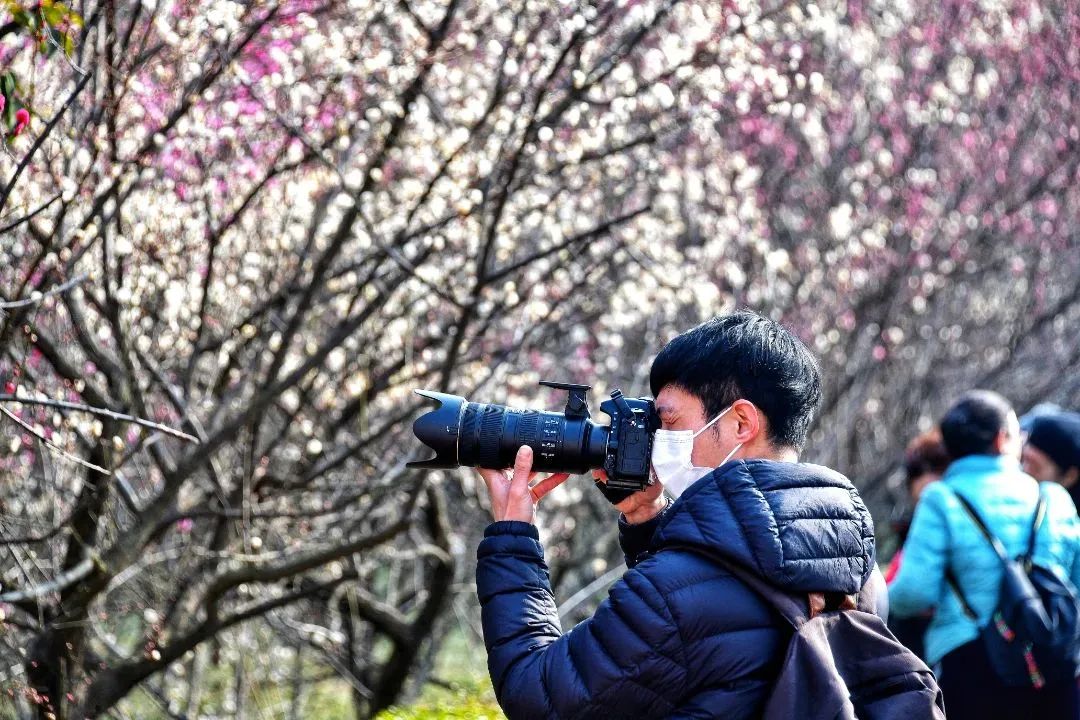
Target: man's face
x: 679, y: 410
x: 1038, y: 465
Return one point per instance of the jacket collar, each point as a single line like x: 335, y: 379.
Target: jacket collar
x: 981, y: 465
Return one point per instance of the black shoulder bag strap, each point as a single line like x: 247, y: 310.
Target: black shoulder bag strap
x: 1002, y: 553
x: 1036, y: 523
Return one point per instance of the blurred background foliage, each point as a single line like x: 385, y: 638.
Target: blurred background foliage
x: 263, y: 224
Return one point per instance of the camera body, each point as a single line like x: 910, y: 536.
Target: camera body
x: 464, y: 433
x: 629, y: 448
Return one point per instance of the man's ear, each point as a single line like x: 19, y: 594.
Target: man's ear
x: 750, y: 422
x: 1070, y: 477
x: 1001, y: 441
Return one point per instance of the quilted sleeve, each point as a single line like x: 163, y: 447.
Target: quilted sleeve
x: 921, y: 578
x: 1074, y: 538
x: 1063, y: 521
x: 636, y: 539
x: 624, y: 661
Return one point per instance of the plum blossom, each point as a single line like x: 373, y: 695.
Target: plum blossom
x: 22, y: 119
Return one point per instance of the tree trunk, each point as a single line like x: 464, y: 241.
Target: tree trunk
x: 194, y: 693
x: 46, y: 671
x: 296, y: 696
x: 240, y: 689
x: 396, y: 671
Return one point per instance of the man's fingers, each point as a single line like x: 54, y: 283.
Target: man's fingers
x: 640, y: 498
x: 653, y: 491
x: 522, y: 466
x: 491, y: 477
x: 600, y: 476
x: 548, y: 484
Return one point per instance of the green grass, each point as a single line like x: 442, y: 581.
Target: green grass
x: 463, y: 691
x: 461, y: 665
x: 474, y: 700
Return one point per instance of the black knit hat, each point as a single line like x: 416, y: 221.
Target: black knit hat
x: 1058, y: 436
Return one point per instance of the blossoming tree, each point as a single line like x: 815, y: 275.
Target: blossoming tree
x: 236, y: 236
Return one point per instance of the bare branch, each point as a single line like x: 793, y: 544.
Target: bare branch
x: 59, y: 583
x: 38, y: 296
x: 58, y: 450
x: 112, y: 414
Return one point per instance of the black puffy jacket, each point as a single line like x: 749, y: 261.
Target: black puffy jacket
x: 678, y: 636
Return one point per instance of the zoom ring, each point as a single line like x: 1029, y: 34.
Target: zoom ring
x: 467, y: 441
x: 491, y: 425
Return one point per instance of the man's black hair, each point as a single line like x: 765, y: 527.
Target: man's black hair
x: 745, y: 355
x: 971, y: 426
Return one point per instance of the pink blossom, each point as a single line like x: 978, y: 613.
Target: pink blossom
x: 1048, y: 206
x: 751, y: 126
x: 22, y: 119
x: 185, y: 525
x: 3, y: 102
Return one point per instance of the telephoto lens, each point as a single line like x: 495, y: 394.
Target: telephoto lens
x: 486, y: 435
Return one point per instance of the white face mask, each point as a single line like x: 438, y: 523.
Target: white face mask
x: 672, y: 458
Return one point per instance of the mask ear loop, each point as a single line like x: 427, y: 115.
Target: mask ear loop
x: 708, y: 424
x: 722, y: 414
x: 732, y: 453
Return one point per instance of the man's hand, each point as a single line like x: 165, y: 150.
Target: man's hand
x: 643, y: 505
x: 511, y: 496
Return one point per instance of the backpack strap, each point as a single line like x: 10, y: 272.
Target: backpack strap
x: 950, y: 576
x: 975, y: 518
x: 1003, y: 555
x: 1036, y: 522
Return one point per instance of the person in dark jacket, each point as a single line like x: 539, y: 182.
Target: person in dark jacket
x: 1052, y: 450
x: 678, y: 635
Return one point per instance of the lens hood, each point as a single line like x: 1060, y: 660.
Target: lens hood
x: 439, y: 429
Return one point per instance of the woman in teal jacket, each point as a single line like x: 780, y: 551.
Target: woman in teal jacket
x: 943, y: 536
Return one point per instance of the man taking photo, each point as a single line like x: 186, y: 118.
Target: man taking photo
x: 679, y: 635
